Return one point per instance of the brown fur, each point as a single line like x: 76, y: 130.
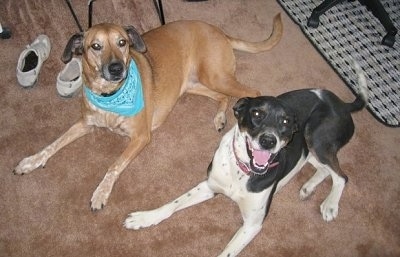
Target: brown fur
x: 183, y: 56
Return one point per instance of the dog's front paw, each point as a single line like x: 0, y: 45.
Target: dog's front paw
x: 144, y: 219
x: 329, y: 210
x: 30, y: 163
x: 103, y: 191
x: 97, y: 202
x: 99, y: 198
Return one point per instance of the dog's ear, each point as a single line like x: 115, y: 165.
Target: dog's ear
x: 74, y: 46
x: 240, y: 107
x: 136, y: 40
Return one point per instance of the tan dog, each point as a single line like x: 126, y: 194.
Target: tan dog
x: 182, y: 56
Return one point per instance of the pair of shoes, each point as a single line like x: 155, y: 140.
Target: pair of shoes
x: 31, y: 60
x: 69, y: 80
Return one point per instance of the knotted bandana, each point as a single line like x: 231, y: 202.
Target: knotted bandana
x: 127, y: 101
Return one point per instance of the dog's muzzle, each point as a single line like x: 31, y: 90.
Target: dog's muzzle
x: 262, y: 154
x: 114, y: 71
x: 267, y: 141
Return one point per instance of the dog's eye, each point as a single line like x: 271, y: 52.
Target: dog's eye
x: 285, y: 121
x: 121, y: 42
x: 257, y: 115
x: 96, y: 46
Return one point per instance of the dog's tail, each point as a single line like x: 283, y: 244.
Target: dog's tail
x: 265, y: 45
x: 362, y: 94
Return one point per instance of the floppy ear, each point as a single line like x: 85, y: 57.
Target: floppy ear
x: 240, y: 108
x: 136, y: 40
x: 74, y: 46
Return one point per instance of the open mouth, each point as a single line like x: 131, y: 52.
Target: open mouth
x: 260, y: 159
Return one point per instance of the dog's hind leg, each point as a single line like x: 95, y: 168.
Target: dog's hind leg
x: 326, y: 133
x: 220, y: 88
x: 228, y: 85
x: 327, y: 163
x: 30, y: 163
x: 330, y: 206
x: 223, y: 100
x: 324, y: 158
x: 198, y: 194
x: 308, y: 188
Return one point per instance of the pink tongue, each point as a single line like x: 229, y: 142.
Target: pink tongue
x: 261, y: 157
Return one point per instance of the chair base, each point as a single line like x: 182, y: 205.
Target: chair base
x: 374, y: 6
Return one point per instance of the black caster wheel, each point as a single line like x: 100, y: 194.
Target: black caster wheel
x: 388, y: 40
x: 313, y: 21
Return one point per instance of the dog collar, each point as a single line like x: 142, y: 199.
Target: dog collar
x: 127, y: 101
x: 241, y: 164
x: 245, y: 167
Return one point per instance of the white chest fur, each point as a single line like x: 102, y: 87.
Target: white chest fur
x: 100, y: 118
x: 226, y: 177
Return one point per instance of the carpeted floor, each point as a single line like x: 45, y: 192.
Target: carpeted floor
x: 47, y: 213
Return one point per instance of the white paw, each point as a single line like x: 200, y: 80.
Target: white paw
x: 98, y: 202
x: 306, y: 192
x: 220, y: 121
x: 30, y: 163
x: 329, y: 210
x: 99, y: 197
x: 144, y: 219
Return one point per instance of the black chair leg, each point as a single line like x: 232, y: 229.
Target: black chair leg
x: 160, y: 11
x: 74, y: 15
x: 313, y: 21
x: 376, y: 7
x: 90, y: 13
x: 373, y: 6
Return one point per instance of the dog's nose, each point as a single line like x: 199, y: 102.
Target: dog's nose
x: 268, y: 141
x: 115, y: 68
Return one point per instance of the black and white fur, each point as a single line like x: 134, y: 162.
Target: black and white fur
x: 274, y: 138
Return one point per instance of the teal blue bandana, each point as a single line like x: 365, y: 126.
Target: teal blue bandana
x: 127, y: 101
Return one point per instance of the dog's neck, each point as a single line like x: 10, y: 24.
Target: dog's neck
x: 127, y: 101
x: 244, y: 165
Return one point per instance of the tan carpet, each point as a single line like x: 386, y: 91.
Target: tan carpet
x: 47, y: 213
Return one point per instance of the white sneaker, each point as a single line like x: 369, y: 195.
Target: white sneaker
x: 31, y: 60
x: 69, y: 80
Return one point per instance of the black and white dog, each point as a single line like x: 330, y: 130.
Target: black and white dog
x: 273, y: 139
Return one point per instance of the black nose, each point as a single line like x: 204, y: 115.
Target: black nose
x: 268, y: 141
x: 115, y: 68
